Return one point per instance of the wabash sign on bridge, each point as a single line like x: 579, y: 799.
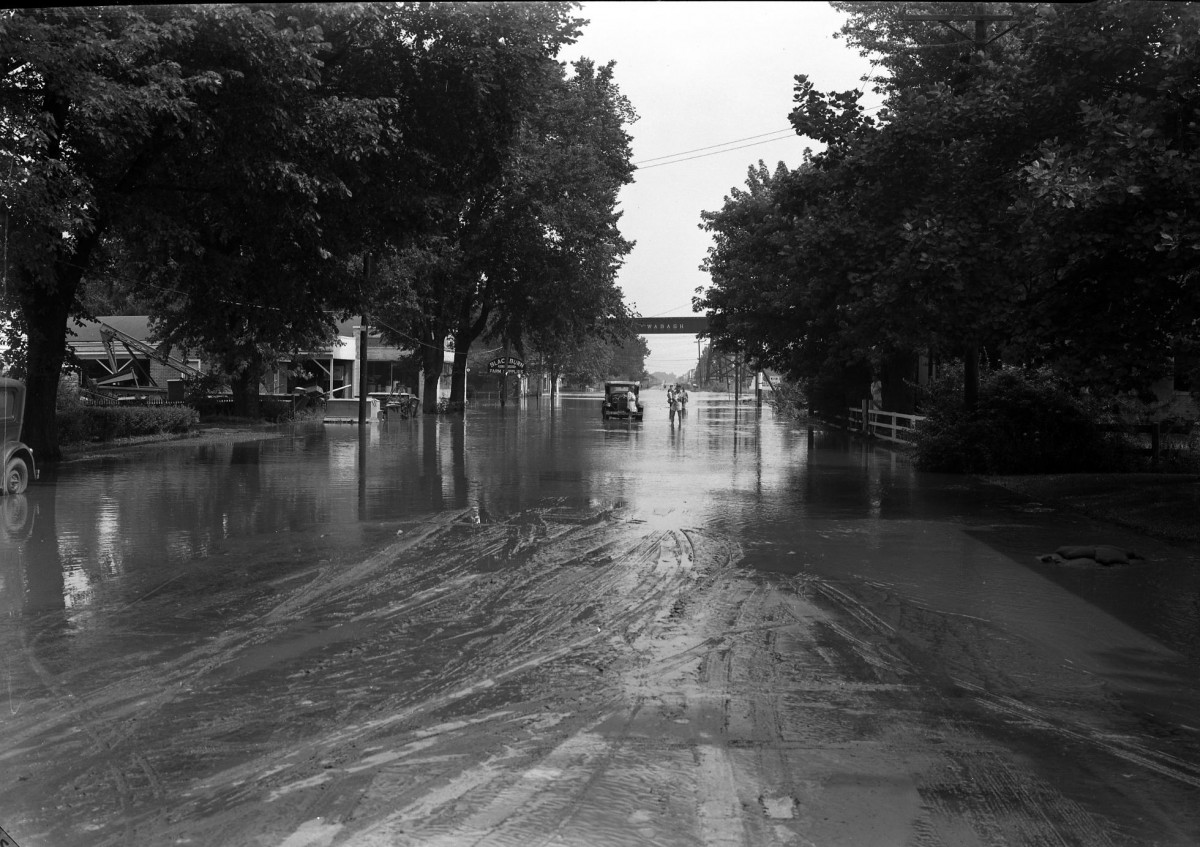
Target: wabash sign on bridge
x: 675, y: 326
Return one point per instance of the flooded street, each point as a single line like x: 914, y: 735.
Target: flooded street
x: 534, y: 627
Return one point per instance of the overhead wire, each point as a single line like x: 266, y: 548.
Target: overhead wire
x: 713, y: 147
x: 714, y: 153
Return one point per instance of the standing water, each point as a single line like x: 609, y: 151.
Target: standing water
x: 443, y: 617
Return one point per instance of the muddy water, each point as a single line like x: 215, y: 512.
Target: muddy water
x: 530, y: 625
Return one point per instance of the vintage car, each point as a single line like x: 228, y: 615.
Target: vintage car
x: 19, y: 466
x: 615, y: 404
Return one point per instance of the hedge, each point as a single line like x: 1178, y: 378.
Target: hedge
x: 1026, y: 421
x: 106, y: 423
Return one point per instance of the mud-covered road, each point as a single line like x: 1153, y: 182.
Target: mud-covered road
x: 532, y: 627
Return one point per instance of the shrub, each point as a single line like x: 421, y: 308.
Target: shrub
x: 106, y: 423
x: 71, y: 414
x: 1026, y: 421
x: 277, y: 411
x: 788, y: 398
x: 204, y: 386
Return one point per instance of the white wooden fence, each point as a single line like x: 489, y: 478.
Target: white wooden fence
x: 890, y: 426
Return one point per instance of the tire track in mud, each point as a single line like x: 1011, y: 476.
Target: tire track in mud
x: 648, y: 587
x: 978, y: 791
x: 110, y: 768
x: 562, y: 678
x: 1174, y: 768
x: 580, y: 591
x: 101, y: 772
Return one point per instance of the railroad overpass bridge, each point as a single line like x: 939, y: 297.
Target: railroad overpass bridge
x: 671, y: 326
x: 712, y: 368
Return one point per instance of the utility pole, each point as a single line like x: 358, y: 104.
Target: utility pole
x: 737, y: 383
x: 978, y: 40
x: 362, y: 349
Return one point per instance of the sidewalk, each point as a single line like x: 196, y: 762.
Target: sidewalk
x: 1165, y: 506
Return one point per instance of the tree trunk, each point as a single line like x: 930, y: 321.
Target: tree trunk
x: 431, y: 362
x: 468, y: 331
x: 897, y: 377
x: 46, y: 309
x: 245, y: 393
x: 458, y: 378
x: 971, y: 378
x: 46, y: 313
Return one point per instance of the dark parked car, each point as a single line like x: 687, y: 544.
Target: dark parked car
x: 19, y: 467
x: 615, y: 403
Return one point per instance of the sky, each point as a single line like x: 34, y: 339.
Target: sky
x: 705, y: 78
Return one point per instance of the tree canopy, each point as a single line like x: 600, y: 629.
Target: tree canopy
x: 239, y: 163
x: 529, y: 256
x: 1023, y: 189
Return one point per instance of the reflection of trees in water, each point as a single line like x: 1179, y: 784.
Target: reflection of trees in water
x: 33, y: 574
x: 443, y: 474
x: 459, y: 484
x: 185, y: 502
x: 843, y: 475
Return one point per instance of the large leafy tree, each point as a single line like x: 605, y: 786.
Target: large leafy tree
x: 533, y: 250
x: 243, y: 159
x: 573, y: 159
x: 629, y: 358
x: 983, y: 207
x: 89, y: 100
x: 411, y: 108
x: 259, y: 251
x: 1107, y: 209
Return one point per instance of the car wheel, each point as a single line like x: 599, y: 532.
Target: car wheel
x: 16, y: 476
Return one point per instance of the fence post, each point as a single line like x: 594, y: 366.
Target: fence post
x: 866, y: 416
x: 1155, y: 444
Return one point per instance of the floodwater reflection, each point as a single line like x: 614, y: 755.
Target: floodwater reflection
x: 800, y: 499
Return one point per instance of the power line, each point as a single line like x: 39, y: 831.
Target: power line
x: 713, y: 146
x: 667, y: 313
x: 715, y: 153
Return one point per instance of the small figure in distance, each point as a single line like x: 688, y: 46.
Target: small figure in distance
x: 682, y: 395
x: 631, y: 402
x: 673, y: 403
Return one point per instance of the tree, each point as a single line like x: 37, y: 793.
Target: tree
x: 629, y: 359
x: 1107, y: 209
x: 981, y: 207
x: 585, y: 360
x: 262, y: 248
x: 411, y: 107
x: 88, y: 101
x: 533, y: 250
x: 131, y: 127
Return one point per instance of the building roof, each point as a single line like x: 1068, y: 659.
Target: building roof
x: 136, y: 325
x: 84, y: 337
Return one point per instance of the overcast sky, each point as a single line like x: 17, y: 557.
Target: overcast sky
x: 702, y: 74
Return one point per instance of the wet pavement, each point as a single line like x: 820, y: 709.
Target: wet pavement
x: 531, y: 626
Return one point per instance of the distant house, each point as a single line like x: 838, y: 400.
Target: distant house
x: 114, y: 354
x: 1175, y: 397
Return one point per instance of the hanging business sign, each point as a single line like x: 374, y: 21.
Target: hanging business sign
x: 505, y: 364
